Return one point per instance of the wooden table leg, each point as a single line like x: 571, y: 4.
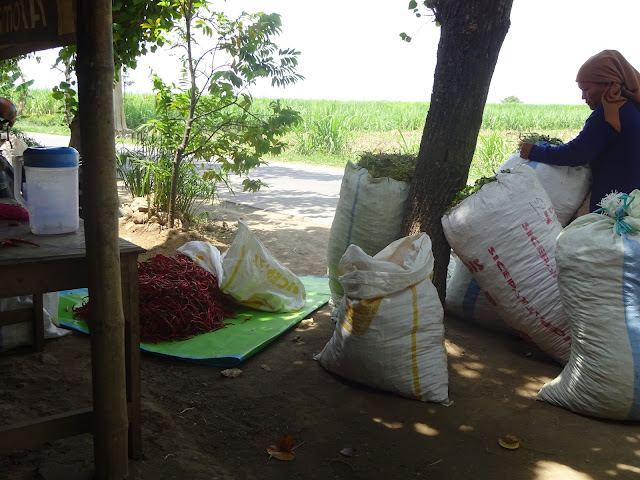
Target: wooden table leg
x: 38, y: 322
x: 129, y: 272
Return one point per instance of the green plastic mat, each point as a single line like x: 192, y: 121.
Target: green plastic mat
x: 250, y: 331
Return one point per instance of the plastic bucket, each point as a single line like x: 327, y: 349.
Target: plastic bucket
x: 52, y: 185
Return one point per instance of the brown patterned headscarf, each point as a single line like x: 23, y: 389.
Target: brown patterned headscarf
x: 609, y: 66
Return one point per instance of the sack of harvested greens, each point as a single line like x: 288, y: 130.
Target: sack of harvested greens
x: 599, y: 278
x: 505, y: 233
x: 368, y: 214
x: 567, y: 187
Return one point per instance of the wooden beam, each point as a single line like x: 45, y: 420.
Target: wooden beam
x: 95, y: 72
x: 34, y: 433
x: 29, y: 26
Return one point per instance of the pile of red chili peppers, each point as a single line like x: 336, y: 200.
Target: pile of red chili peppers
x: 178, y: 299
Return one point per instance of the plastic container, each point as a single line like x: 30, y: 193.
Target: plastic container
x: 52, y: 180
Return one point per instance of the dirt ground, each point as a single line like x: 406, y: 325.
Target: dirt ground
x: 198, y: 424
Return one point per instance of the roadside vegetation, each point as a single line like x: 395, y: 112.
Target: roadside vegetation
x: 334, y: 132
x: 329, y: 133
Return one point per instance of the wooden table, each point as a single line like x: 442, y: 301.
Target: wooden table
x: 60, y: 263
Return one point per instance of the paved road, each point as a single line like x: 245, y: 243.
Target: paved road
x: 299, y: 190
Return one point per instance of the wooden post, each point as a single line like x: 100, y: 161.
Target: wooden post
x: 106, y: 319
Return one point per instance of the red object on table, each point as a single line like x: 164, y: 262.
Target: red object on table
x: 13, y: 212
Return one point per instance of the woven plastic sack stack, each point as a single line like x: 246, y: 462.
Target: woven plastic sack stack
x: 389, y: 333
x: 567, y: 187
x: 368, y: 214
x: 599, y: 279
x: 506, y: 233
x: 466, y: 300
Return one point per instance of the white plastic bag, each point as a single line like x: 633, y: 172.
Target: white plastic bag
x: 368, y: 214
x: 390, y: 333
x: 21, y: 334
x: 205, y: 255
x: 506, y: 233
x: 599, y: 280
x: 567, y: 187
x: 255, y: 278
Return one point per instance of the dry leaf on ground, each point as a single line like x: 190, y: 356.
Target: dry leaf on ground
x: 283, y: 448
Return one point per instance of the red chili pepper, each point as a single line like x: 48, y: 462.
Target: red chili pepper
x: 178, y: 300
x: 16, y: 242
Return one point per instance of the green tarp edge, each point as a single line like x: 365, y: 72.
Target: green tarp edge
x: 249, y: 332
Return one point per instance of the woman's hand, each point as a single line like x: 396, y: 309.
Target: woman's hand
x: 525, y: 149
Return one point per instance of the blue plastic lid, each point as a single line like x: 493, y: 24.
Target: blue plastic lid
x: 50, y: 157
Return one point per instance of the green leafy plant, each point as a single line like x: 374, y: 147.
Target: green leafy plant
x: 207, y: 116
x: 134, y: 173
x: 146, y: 172
x: 539, y: 138
x: 330, y: 134
x: 491, y: 150
x: 511, y: 99
x: 400, y: 167
x: 471, y: 189
x: 13, y: 85
x: 407, y: 148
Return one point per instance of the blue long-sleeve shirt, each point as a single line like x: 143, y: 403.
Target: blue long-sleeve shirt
x: 614, y: 157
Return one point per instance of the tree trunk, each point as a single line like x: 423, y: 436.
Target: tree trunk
x: 180, y: 151
x: 74, y: 128
x: 472, y: 32
x: 106, y: 318
x: 74, y: 142
x: 120, y: 120
x: 67, y: 78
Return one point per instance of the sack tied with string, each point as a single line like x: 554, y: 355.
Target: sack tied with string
x: 598, y: 259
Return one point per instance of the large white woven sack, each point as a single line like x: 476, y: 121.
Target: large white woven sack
x: 567, y: 187
x: 466, y: 300
x: 368, y: 214
x: 506, y: 233
x: 255, y: 278
x: 599, y: 279
x: 389, y: 333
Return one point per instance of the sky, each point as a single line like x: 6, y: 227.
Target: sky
x: 351, y: 49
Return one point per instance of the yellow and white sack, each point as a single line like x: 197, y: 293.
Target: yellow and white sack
x: 599, y: 279
x: 255, y: 278
x: 506, y: 234
x: 567, y: 187
x: 389, y: 333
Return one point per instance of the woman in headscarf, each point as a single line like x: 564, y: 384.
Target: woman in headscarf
x: 610, y: 139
